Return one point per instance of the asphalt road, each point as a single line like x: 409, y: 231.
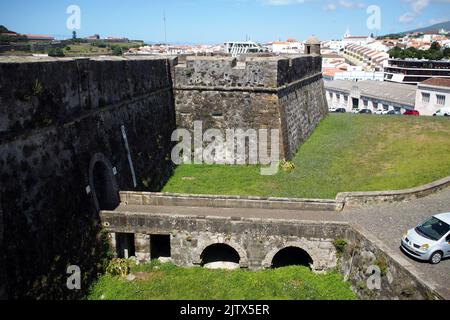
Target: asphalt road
x: 388, y: 222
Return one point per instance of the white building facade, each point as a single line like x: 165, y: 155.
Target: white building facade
x: 432, y: 96
x: 372, y: 95
x: 355, y: 73
x: 288, y: 47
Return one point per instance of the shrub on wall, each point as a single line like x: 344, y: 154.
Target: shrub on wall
x: 340, y: 246
x: 56, y: 53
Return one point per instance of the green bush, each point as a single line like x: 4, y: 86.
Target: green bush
x: 118, y: 267
x: 57, y: 52
x: 287, y: 166
x: 381, y: 263
x: 116, y: 50
x: 340, y: 246
x: 99, y: 44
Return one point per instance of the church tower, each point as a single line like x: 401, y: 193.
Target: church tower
x: 347, y: 33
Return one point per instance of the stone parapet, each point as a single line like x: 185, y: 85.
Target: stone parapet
x: 189, y: 200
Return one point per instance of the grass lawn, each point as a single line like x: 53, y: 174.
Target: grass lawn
x: 345, y: 153
x: 168, y: 282
x: 88, y: 49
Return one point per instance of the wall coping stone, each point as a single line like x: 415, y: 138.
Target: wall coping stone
x: 106, y: 214
x: 171, y: 199
x: 391, y: 196
x: 344, y: 199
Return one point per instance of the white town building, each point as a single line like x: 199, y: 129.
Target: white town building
x: 432, y: 95
x: 372, y: 95
x: 291, y: 46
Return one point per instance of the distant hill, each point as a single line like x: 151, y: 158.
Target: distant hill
x: 438, y: 26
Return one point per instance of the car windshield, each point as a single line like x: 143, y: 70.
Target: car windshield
x: 433, y: 229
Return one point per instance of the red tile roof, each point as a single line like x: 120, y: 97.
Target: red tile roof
x: 438, y: 82
x: 39, y: 36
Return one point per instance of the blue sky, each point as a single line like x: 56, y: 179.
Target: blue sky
x: 216, y: 21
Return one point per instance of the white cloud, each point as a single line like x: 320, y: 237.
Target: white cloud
x: 330, y: 7
x: 417, y: 7
x: 346, y: 4
x: 282, y: 2
x: 406, y: 17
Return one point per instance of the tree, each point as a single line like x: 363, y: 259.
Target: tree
x: 446, y: 53
x: 116, y: 50
x: 74, y: 35
x: 5, y: 39
x: 435, y: 46
x: 56, y: 52
x: 99, y: 44
x: 395, y: 52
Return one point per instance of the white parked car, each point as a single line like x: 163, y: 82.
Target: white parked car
x: 356, y: 111
x: 430, y: 241
x: 379, y: 111
x: 444, y: 112
x: 332, y: 109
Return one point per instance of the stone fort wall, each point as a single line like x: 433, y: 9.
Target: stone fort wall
x: 73, y: 132
x: 62, y: 149
x: 252, y: 93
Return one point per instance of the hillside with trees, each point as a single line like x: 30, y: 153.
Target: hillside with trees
x: 434, y: 27
x: 436, y: 52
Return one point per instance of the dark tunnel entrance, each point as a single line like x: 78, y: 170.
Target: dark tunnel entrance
x: 125, y: 246
x: 160, y: 246
x: 105, y: 188
x: 292, y: 256
x: 220, y: 253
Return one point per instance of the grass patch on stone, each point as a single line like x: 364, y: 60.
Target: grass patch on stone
x: 155, y: 281
x: 345, y: 153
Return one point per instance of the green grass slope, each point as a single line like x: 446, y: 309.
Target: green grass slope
x: 345, y: 153
x: 168, y: 282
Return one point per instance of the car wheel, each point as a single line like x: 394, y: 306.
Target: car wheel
x: 446, y: 115
x: 436, y: 257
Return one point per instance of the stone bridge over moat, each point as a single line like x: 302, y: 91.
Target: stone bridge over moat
x: 259, y: 233
x: 254, y: 238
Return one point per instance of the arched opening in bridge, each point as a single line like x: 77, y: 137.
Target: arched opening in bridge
x: 160, y: 246
x: 292, y: 256
x: 105, y: 187
x: 220, y: 253
x: 125, y: 246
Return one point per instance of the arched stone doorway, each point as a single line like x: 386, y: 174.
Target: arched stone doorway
x: 292, y: 256
x: 103, y: 184
x: 220, y: 253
